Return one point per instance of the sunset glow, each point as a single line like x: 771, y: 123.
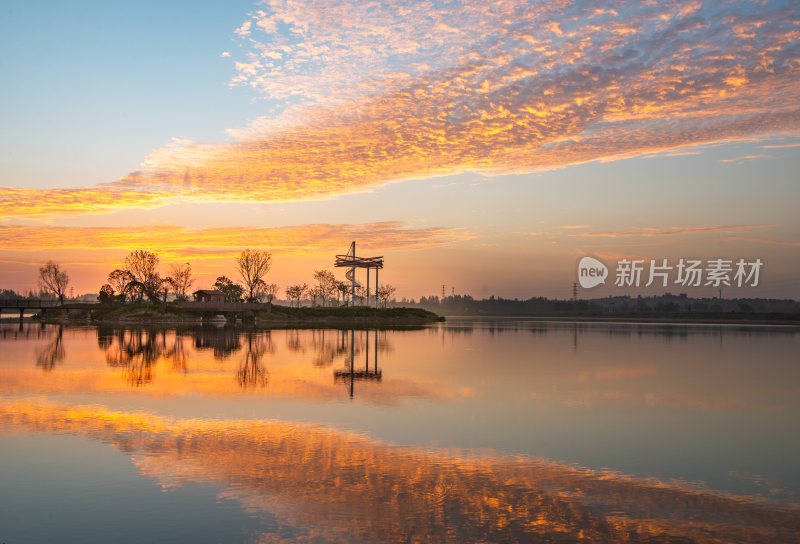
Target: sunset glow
x: 445, y: 271
x: 344, y: 112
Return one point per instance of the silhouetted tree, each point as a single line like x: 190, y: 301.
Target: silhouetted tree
x: 142, y: 266
x: 120, y: 282
x: 180, y: 279
x: 253, y: 265
x: 385, y: 292
x: 326, y: 285
x: 106, y: 294
x: 136, y: 290
x: 295, y: 292
x: 233, y: 291
x: 315, y: 293
x: 271, y: 291
x: 342, y: 289
x: 54, y: 280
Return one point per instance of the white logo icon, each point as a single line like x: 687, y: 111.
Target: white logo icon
x: 591, y: 272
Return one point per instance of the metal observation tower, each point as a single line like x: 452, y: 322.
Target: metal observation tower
x: 352, y: 262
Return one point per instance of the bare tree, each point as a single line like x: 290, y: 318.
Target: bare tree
x: 120, y: 280
x: 326, y: 285
x: 385, y: 292
x: 180, y: 279
x: 342, y: 289
x: 271, y: 291
x: 253, y: 265
x: 142, y: 266
x: 360, y: 294
x: 54, y: 280
x: 314, y: 293
x: 295, y: 292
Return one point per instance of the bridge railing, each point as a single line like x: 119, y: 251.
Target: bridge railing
x: 28, y: 303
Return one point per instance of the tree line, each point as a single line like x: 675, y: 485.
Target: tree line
x: 138, y: 279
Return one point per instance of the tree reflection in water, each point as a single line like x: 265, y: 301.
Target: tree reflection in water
x: 224, y: 342
x: 52, y: 353
x: 135, y: 351
x: 138, y: 351
x: 251, y: 372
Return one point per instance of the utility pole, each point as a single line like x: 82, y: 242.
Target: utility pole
x: 574, y: 291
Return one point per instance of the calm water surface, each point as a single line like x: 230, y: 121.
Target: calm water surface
x: 468, y: 431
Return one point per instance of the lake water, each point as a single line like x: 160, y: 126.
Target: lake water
x: 474, y: 430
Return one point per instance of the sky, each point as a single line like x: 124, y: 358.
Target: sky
x: 483, y: 146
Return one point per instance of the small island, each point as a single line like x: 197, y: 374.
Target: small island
x: 264, y: 315
x: 137, y: 293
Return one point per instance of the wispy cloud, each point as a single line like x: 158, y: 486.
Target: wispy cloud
x: 371, y: 96
x: 767, y: 241
x: 780, y: 146
x: 181, y: 242
x: 649, y: 232
x: 743, y: 158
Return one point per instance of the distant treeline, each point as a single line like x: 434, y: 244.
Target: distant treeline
x: 42, y: 294
x: 666, y: 304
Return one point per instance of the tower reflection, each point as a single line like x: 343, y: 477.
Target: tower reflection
x: 351, y: 375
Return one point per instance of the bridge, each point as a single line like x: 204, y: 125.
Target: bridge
x: 24, y: 304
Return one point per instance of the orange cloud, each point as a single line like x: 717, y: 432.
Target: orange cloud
x: 516, y: 89
x: 747, y: 158
x: 780, y: 146
x: 182, y: 242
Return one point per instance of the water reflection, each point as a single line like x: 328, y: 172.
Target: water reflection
x: 53, y: 352
x: 251, y: 372
x: 342, y: 487
x: 137, y: 351
x: 510, y: 326
x: 25, y: 331
x: 152, y: 359
x: 351, y: 375
x: 715, y: 407
x: 222, y: 341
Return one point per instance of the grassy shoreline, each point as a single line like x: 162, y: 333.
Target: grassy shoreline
x: 343, y: 317
x: 279, y: 316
